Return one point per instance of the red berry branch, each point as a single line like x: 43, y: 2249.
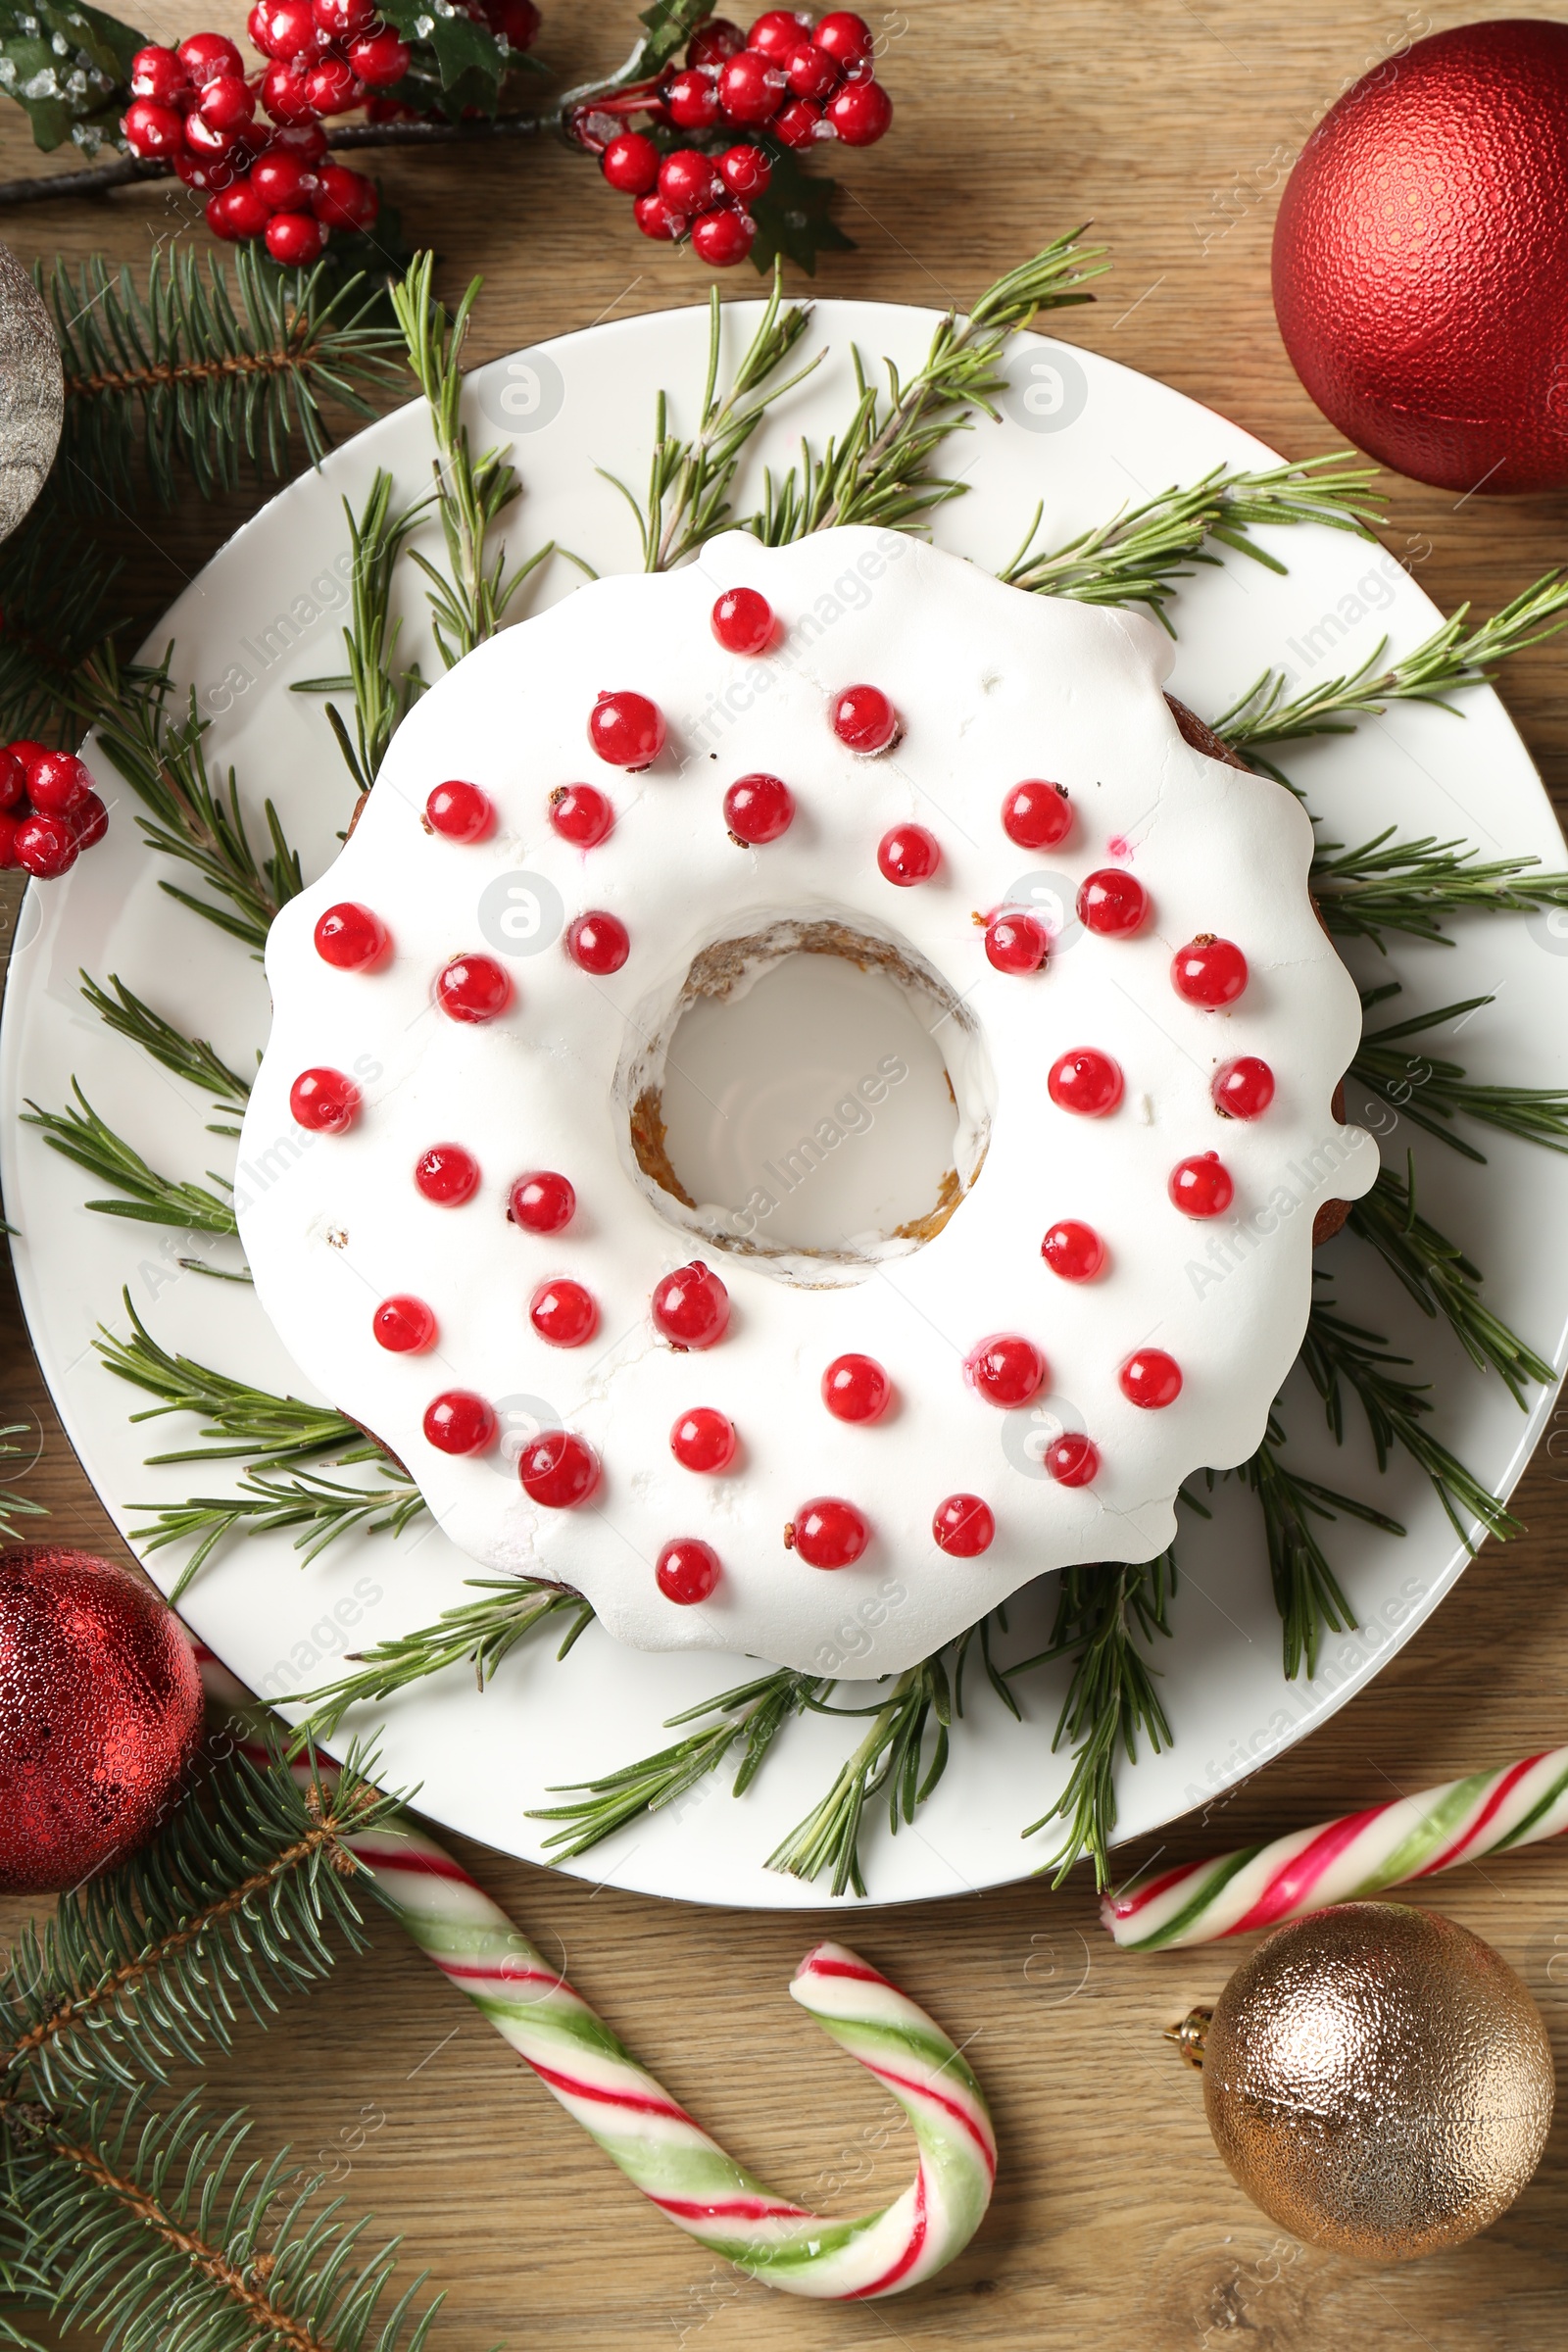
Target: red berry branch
x: 49, y: 811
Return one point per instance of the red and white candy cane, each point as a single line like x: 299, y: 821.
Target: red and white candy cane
x: 648, y: 2134
x: 1346, y: 1860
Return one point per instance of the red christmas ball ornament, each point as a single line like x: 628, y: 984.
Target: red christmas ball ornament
x: 99, y: 1713
x: 1421, y: 260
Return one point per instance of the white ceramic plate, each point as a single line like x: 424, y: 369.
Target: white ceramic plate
x: 1082, y: 435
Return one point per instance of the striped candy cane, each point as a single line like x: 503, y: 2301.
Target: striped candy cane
x: 1345, y: 1860
x: 648, y: 2134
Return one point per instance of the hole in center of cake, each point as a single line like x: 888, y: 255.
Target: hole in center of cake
x: 814, y: 1099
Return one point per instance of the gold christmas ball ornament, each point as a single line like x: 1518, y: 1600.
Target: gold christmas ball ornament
x: 1378, y: 2079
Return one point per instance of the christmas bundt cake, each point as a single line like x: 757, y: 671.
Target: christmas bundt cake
x: 636, y: 877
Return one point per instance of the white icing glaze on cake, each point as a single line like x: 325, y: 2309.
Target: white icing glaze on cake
x: 992, y: 686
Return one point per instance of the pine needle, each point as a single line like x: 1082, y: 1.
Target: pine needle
x: 383, y: 694
x: 13, y: 1506
x: 480, y: 1633
x: 1432, y: 1092
x: 888, y: 1758
x: 324, y: 1509
x: 190, y: 1057
x: 79, y: 1134
x: 1442, y: 1281
x: 1307, y: 1592
x: 1144, y: 553
x: 273, y: 1431
x: 1389, y: 884
x: 204, y: 375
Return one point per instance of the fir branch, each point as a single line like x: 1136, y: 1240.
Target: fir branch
x: 1104, y: 1611
x: 272, y: 1432
x: 469, y: 602
x: 79, y: 1134
x: 55, y: 586
x: 189, y: 817
x: 383, y: 694
x: 1307, y: 1592
x: 754, y: 1713
x: 13, y: 1506
x: 157, y: 2231
x: 1442, y: 1281
x: 689, y: 481
x: 1432, y: 1092
x: 230, y: 1906
x: 888, y: 1758
x: 1144, y: 553
x: 1450, y: 659
x: 205, y: 376
x: 1335, y: 1356
x: 190, y: 1057
x: 479, y: 1631
x: 1389, y: 884
x: 324, y: 1509
x: 879, y: 470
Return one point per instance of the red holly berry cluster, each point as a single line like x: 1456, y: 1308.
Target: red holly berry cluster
x: 49, y: 811
x: 786, y: 80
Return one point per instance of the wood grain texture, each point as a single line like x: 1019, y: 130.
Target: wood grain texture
x: 1115, y: 2224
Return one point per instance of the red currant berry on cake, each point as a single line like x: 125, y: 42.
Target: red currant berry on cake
x: 1151, y: 1379
x: 626, y: 730
x: 1016, y: 943
x: 909, y: 855
x: 714, y: 41
x: 723, y: 238
x: 1087, y: 1082
x: 1208, y: 972
x: 779, y: 30
x: 828, y: 1533
x: 46, y: 846
x: 459, y: 1422
x: 1073, y: 1251
x: 854, y: 1388
x: 845, y: 37
x: 558, y: 1469
x: 158, y: 74
x: 630, y: 162
x: 563, y: 1313
x: 380, y: 58
x: 1071, y: 1459
x: 327, y: 1102
x: 598, y: 943
x: 687, y: 181
x: 294, y: 239
x: 687, y: 1571
x: 810, y: 71
x: 745, y: 171
x: 1005, y: 1370
x: 1113, y: 903
x: 460, y: 811
x: 447, y: 1174
x: 542, y: 1202
x: 1243, y: 1089
x: 1038, y: 815
x: 759, y: 809
x: 743, y: 621
x: 404, y: 1324
x: 964, y: 1527
x: 704, y: 1439
x: 1201, y: 1186
x: 472, y: 988
x: 751, y: 88
x: 581, y: 813
x: 350, y: 937
x: 153, y: 132
x: 89, y: 822
x: 655, y: 218
x: 691, y: 1306
x: 58, y: 783
x: 863, y: 718
x: 798, y: 123
x: 860, y: 113
x: 691, y: 99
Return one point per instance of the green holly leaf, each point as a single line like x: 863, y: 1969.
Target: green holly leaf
x: 459, y: 64
x: 669, y: 25
x: 793, y: 219
x: 70, y: 65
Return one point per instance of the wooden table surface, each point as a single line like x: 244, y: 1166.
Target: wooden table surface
x: 1115, y: 2224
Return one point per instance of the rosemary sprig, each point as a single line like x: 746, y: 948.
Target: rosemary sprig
x: 1142, y: 553
x: 190, y: 1057
x: 1107, y: 1615
x: 321, y: 1509
x: 888, y: 1758
x: 383, y: 694
x: 468, y: 603
x: 1432, y: 1092
x: 1442, y: 1281
x: 1307, y: 1592
x: 689, y: 481
x: 79, y: 1134
x: 190, y: 818
x: 275, y: 1432
x: 15, y: 1506
x: 1453, y: 657
x: 752, y: 1713
x: 1337, y: 1354
x: 879, y: 469
x: 482, y: 1632
x: 1389, y: 884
